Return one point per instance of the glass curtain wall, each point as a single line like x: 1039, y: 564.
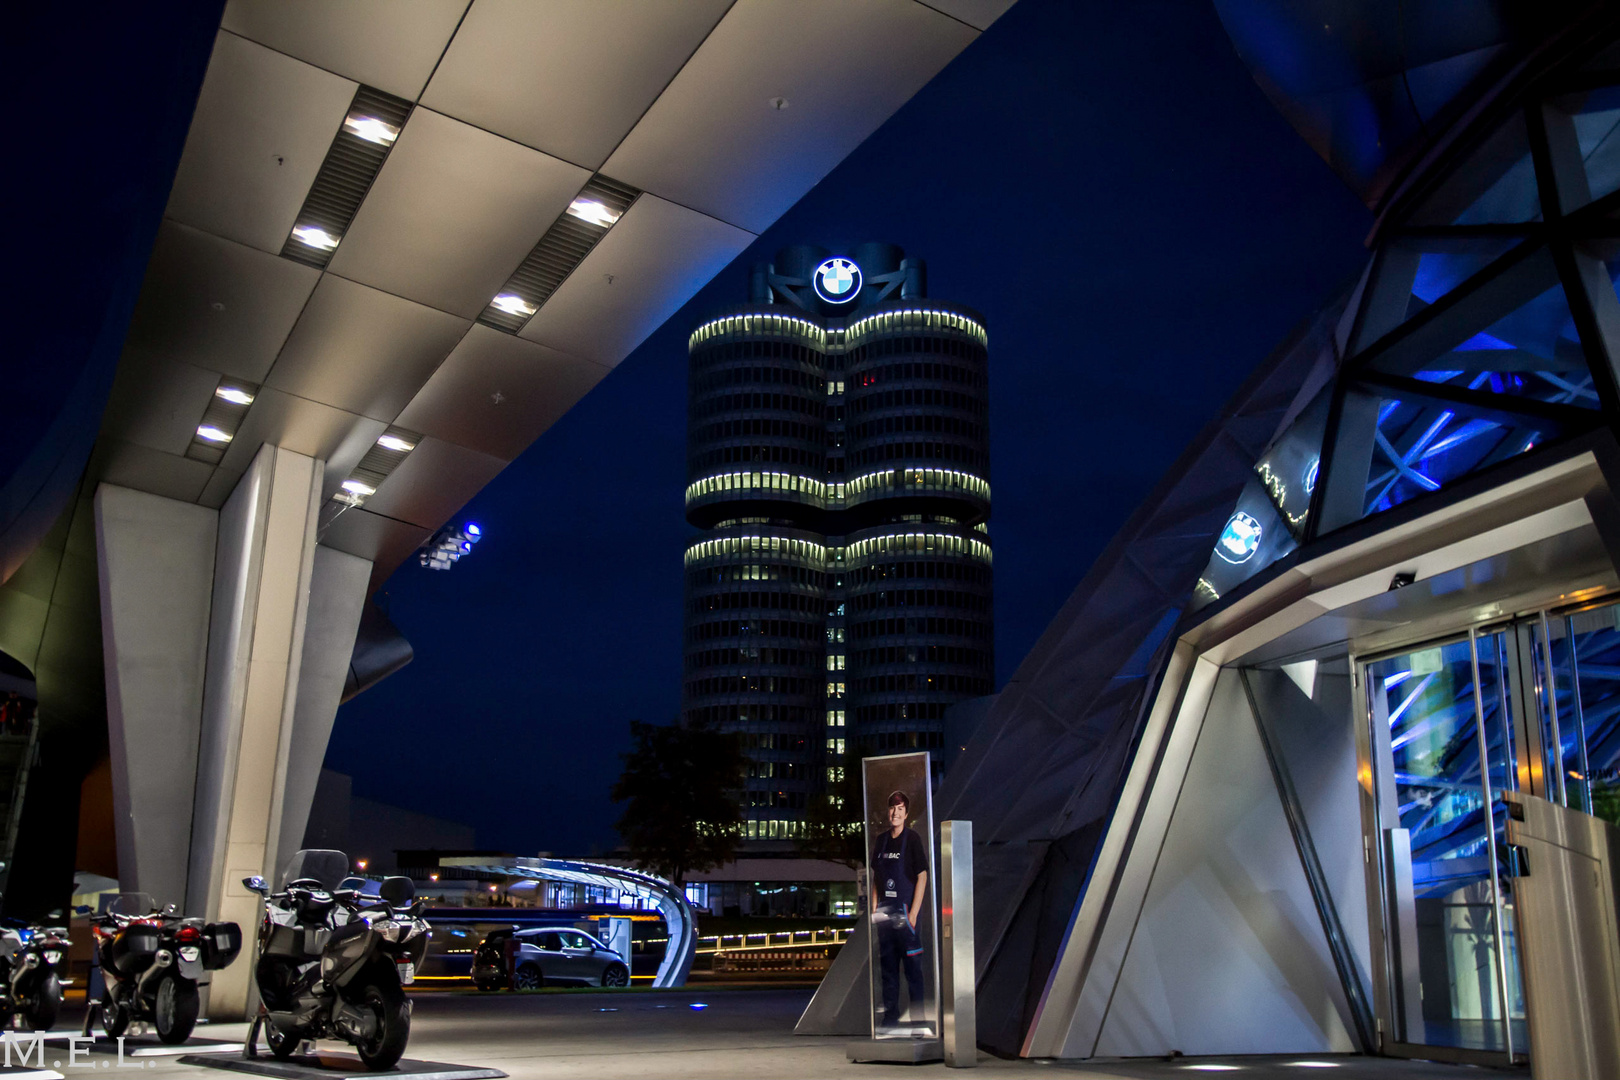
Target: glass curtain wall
x: 1486, y: 325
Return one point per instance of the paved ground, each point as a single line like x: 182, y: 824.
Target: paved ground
x: 740, y: 1033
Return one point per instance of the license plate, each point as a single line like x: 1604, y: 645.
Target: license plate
x: 407, y: 973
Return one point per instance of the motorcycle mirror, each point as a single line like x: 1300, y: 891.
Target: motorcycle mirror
x: 255, y: 884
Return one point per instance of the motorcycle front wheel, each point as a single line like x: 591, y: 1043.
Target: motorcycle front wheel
x: 176, y: 1009
x: 392, y: 1013
x: 41, y: 1015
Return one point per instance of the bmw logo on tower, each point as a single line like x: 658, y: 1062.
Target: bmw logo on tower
x: 838, y: 281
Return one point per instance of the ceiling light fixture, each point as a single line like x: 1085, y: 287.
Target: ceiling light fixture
x: 512, y: 305
x: 371, y: 129
x: 394, y: 442
x: 315, y: 237
x: 213, y: 434
x: 356, y: 487
x: 233, y: 395
x: 592, y: 211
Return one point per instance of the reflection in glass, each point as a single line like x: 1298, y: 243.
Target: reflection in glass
x: 1445, y: 914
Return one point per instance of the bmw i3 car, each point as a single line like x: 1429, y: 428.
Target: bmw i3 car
x: 546, y: 956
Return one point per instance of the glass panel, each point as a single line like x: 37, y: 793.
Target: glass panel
x: 1420, y: 447
x: 1496, y: 185
x: 1253, y: 538
x: 900, y: 882
x: 1597, y: 126
x: 1586, y: 653
x: 1443, y: 901
x: 1271, y: 513
x: 1533, y: 352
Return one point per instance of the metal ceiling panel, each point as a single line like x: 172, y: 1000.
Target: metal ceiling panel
x: 354, y: 447
x: 638, y: 275
x: 362, y: 350
x: 452, y: 212
x: 569, y: 77
x: 535, y: 386
x: 383, y: 540
x: 216, y: 304
x: 389, y: 44
x: 144, y: 469
x: 157, y: 403
x: 218, y: 489
x: 715, y: 140
x: 301, y: 425
x: 262, y: 127
x: 976, y: 13
x: 434, y: 481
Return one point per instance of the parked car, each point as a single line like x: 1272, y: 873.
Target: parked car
x: 547, y: 956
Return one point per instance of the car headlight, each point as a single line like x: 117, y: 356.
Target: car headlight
x: 53, y: 956
x: 189, y: 953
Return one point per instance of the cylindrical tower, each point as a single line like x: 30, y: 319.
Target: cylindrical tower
x: 756, y: 605
x: 839, y: 599
x: 756, y: 419
x: 917, y: 596
x: 916, y: 414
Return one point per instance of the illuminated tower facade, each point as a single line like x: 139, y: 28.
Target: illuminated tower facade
x: 839, y: 598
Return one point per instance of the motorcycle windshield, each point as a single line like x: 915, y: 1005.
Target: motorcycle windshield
x: 317, y: 864
x: 132, y: 903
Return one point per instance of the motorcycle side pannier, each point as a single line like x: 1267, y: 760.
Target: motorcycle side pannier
x: 132, y: 950
x: 221, y: 942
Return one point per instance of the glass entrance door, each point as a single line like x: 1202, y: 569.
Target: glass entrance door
x: 1442, y: 743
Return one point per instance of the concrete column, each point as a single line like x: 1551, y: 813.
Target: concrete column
x: 226, y: 637
x: 337, y: 594
x: 262, y: 571
x: 155, y: 558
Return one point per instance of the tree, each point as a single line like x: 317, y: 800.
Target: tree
x: 680, y: 783
x: 832, y: 827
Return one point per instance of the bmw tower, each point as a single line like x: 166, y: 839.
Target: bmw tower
x: 838, y: 599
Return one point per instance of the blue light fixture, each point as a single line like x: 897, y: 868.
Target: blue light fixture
x: 474, y: 532
x: 448, y: 545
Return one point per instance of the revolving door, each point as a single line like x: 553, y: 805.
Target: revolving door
x: 1531, y: 705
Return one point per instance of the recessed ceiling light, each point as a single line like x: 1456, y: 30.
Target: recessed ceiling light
x: 1313, y: 1064
x: 371, y: 129
x: 1214, y: 1068
x: 592, y: 211
x: 233, y: 395
x: 512, y: 305
x: 212, y: 434
x: 315, y: 237
x: 394, y: 442
x: 356, y: 487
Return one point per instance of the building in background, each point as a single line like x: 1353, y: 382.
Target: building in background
x: 839, y: 598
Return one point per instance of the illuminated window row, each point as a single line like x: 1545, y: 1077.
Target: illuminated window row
x: 732, y: 546
x: 930, y: 479
x: 915, y: 319
x: 788, y: 326
x: 756, y: 481
x: 774, y: 830
x: 931, y: 543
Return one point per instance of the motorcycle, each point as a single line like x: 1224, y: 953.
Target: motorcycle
x: 334, y: 962
x: 152, y: 961
x: 29, y: 985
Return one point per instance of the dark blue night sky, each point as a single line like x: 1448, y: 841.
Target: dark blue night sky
x: 1139, y: 227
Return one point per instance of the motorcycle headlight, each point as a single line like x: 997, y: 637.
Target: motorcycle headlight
x: 53, y: 956
x: 189, y: 953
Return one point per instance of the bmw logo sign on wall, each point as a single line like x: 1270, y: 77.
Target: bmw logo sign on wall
x: 1240, y: 539
x: 837, y: 281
